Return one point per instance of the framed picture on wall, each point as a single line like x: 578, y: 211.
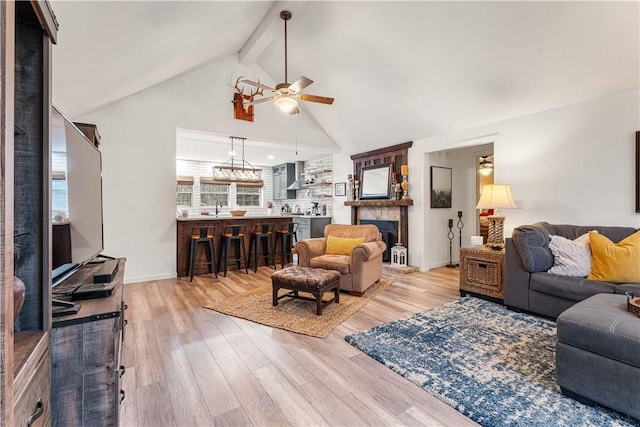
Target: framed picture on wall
x: 638, y: 171
x: 341, y: 189
x: 441, y: 187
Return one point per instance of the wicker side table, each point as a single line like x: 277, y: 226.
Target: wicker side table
x: 482, y: 271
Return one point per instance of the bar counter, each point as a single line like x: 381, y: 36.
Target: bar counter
x: 183, y: 238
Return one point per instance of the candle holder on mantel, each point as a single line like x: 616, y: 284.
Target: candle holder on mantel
x: 356, y: 195
x: 394, y: 181
x: 405, y: 187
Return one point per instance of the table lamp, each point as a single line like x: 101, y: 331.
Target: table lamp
x: 496, y: 196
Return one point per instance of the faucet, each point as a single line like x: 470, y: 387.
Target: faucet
x: 297, y: 208
x: 218, y: 203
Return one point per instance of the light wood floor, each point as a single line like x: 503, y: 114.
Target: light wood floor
x: 187, y: 365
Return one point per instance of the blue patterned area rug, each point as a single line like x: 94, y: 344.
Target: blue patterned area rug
x: 495, y: 366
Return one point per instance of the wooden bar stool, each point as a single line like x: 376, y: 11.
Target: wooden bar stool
x: 287, y: 235
x: 204, y: 235
x: 262, y: 235
x: 233, y: 233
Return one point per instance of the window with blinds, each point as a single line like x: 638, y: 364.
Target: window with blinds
x: 184, y: 191
x: 248, y: 195
x: 59, y: 198
x: 212, y: 193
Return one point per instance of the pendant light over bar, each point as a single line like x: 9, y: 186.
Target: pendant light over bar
x: 233, y: 170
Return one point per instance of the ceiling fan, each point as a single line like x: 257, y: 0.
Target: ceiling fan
x: 286, y: 95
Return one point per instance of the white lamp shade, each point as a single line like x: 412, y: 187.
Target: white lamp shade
x: 286, y: 104
x: 496, y: 196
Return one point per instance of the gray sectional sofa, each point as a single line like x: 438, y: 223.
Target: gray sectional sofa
x: 527, y: 284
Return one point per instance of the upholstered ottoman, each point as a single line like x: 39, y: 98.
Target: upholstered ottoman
x: 315, y: 281
x: 598, y: 353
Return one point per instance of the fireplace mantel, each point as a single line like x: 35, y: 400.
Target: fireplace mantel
x: 379, y: 203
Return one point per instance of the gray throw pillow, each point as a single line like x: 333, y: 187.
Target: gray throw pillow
x: 571, y: 257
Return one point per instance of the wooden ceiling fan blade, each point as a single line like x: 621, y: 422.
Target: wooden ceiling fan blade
x: 260, y: 85
x: 300, y: 84
x: 315, y: 98
x: 260, y: 101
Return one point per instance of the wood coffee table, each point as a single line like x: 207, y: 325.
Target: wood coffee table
x: 315, y: 281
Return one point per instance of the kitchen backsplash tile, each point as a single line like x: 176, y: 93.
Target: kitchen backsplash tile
x: 304, y: 200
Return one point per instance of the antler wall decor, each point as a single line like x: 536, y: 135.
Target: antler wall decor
x: 241, y: 109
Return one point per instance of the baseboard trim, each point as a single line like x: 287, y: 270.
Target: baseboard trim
x: 151, y: 278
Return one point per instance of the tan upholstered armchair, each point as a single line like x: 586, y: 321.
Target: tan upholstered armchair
x: 360, y: 269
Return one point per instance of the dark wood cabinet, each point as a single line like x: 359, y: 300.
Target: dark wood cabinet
x: 87, y: 353
x: 27, y: 30
x: 61, y: 244
x: 90, y: 131
x: 185, y: 227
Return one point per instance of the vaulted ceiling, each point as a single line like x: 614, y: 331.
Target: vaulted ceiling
x: 398, y: 70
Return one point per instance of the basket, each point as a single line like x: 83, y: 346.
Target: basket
x: 633, y: 304
x: 481, y: 271
x: 238, y: 213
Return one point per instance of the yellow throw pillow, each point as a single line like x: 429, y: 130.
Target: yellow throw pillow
x: 615, y: 262
x: 342, y: 245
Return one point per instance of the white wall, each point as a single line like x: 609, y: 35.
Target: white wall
x: 139, y: 158
x: 567, y: 165
x: 571, y: 165
x: 342, y: 167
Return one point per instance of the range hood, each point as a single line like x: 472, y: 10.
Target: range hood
x: 299, y: 182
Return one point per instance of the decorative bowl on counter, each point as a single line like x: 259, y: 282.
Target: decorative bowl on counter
x: 238, y: 213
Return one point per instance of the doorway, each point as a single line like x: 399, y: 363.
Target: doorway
x: 484, y: 175
x: 466, y: 184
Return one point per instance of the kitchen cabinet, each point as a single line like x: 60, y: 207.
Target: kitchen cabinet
x: 283, y: 176
x: 310, y: 226
x: 186, y: 225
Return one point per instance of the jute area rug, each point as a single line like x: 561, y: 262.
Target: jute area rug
x: 493, y: 365
x: 294, y: 315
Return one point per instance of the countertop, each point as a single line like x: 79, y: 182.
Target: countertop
x: 221, y: 217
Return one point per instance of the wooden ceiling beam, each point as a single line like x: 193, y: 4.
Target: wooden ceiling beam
x: 270, y: 26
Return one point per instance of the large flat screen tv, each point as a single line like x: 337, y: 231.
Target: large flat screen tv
x: 76, y: 196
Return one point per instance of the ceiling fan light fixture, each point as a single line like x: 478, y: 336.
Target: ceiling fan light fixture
x: 286, y: 95
x: 286, y: 104
x: 486, y: 166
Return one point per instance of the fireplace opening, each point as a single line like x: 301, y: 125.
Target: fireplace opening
x: 389, y: 231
